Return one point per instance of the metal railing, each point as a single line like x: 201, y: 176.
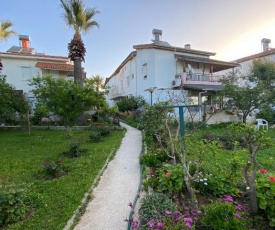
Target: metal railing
x: 203, y: 77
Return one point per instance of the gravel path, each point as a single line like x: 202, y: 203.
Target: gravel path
x: 117, y: 187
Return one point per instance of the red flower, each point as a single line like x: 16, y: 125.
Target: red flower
x: 169, y: 174
x: 263, y: 170
x: 272, y: 179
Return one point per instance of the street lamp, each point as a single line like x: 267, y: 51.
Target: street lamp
x: 151, y: 90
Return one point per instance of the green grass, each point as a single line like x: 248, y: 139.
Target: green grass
x: 54, y: 201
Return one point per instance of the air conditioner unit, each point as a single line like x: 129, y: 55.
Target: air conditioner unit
x: 173, y: 83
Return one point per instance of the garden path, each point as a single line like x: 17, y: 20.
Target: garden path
x: 117, y: 187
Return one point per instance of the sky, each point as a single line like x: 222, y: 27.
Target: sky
x: 231, y: 28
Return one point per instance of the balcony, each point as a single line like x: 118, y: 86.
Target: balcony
x: 198, y: 81
x: 116, y: 93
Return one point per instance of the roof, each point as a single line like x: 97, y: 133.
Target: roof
x: 54, y: 66
x: 173, y: 48
x: 33, y: 55
x: 258, y: 55
x: 217, y: 65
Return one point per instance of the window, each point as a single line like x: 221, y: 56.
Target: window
x: 144, y: 70
x: 128, y: 81
x: 133, y: 76
x: 54, y: 73
x: 26, y: 72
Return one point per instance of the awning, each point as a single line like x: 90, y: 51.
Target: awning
x: 54, y: 66
x: 217, y: 65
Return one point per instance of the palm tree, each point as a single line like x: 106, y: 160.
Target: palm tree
x: 5, y: 33
x: 82, y: 20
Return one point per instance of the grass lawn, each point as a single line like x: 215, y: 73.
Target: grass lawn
x: 53, y: 201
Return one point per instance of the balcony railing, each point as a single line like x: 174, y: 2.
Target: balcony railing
x: 199, y: 78
x: 115, y: 92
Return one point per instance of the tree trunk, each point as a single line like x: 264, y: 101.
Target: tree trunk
x: 78, y: 73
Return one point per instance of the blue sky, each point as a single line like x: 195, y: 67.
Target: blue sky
x: 232, y: 28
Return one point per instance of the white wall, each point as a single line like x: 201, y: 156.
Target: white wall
x: 13, y: 68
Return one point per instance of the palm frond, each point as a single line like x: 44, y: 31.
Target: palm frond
x: 4, y: 30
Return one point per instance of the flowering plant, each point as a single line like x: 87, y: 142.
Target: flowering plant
x: 224, y: 214
x: 266, y: 195
x: 170, y: 178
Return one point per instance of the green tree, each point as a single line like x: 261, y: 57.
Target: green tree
x: 82, y: 20
x: 5, y: 33
x: 64, y: 98
x: 130, y: 103
x: 246, y: 97
x: 12, y: 102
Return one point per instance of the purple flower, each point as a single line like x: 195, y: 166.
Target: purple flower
x: 168, y: 212
x: 130, y: 204
x: 159, y: 225
x: 188, y: 225
x: 239, y: 207
x: 228, y: 198
x: 134, y: 224
x: 154, y: 216
x: 187, y: 220
x: 151, y: 224
x: 237, y: 215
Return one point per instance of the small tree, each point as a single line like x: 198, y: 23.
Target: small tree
x: 12, y: 102
x: 255, y: 141
x: 246, y: 98
x: 131, y: 103
x: 64, y: 98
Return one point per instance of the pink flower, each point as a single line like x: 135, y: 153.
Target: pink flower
x: 272, y: 179
x: 263, y: 170
x: 237, y: 215
x: 168, y: 175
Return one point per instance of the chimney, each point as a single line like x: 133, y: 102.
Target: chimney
x: 157, y: 33
x: 25, y: 41
x: 187, y: 46
x: 265, y: 44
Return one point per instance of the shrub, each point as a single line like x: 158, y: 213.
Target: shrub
x: 53, y: 169
x: 223, y: 214
x: 95, y: 137
x: 266, y: 195
x: 74, y: 149
x: 104, y: 131
x: 154, y: 206
x: 149, y: 160
x: 13, y: 206
x: 170, y: 178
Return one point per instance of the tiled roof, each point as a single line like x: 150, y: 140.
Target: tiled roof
x: 55, y: 66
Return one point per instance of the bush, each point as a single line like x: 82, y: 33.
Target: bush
x: 171, y: 178
x: 104, y: 131
x: 53, y: 169
x: 95, y: 137
x: 13, y: 205
x: 74, y: 149
x: 154, y: 206
x: 223, y: 215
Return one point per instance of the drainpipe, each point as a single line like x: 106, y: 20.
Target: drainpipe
x: 200, y: 103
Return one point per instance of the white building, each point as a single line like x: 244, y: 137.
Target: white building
x: 20, y: 63
x: 161, y: 66
x: 154, y: 69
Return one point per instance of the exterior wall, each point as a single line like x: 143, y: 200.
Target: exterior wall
x: 19, y: 69
x: 15, y: 74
